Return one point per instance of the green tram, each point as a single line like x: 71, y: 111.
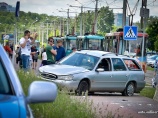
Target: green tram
x: 70, y: 42
x: 90, y: 42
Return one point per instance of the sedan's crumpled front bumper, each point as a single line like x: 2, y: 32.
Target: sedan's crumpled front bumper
x: 70, y: 85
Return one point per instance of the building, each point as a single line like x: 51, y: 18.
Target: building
x: 5, y: 7
x: 118, y: 19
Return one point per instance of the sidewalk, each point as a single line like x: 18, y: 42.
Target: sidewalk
x: 148, y: 76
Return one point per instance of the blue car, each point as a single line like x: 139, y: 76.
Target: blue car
x: 13, y: 102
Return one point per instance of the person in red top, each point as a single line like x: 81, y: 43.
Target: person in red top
x: 8, y: 49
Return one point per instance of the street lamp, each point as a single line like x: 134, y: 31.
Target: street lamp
x: 34, y: 22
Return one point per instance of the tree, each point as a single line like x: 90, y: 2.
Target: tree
x: 152, y: 30
x: 105, y: 19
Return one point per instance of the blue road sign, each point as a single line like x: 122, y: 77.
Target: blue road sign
x: 130, y: 33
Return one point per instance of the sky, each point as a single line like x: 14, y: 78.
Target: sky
x: 52, y: 7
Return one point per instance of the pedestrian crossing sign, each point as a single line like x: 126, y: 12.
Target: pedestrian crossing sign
x: 130, y: 32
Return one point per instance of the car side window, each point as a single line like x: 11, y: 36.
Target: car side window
x: 118, y: 64
x: 105, y: 64
x: 131, y: 64
x: 4, y: 83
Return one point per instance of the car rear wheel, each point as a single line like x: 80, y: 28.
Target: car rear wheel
x: 83, y: 88
x: 129, y: 90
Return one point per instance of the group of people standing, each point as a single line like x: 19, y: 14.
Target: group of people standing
x: 53, y: 53
x: 27, y: 54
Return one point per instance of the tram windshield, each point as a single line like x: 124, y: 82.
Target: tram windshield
x: 72, y: 43
x: 94, y: 44
x: 135, y: 46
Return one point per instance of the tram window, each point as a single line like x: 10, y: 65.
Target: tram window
x: 72, y: 43
x: 94, y: 44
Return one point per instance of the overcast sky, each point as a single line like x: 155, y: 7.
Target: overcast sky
x: 51, y: 7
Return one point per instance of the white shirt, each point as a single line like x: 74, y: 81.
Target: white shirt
x: 27, y: 49
x: 44, y: 56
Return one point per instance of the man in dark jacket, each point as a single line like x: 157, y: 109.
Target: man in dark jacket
x: 60, y: 50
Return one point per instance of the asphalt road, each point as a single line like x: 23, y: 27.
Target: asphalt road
x: 135, y: 106
x: 127, y: 107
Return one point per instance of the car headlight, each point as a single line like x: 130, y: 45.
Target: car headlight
x: 40, y: 70
x: 65, y: 77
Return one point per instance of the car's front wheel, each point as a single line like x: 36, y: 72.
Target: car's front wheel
x: 83, y: 88
x: 129, y: 90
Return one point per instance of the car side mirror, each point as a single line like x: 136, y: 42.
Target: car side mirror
x: 100, y: 70
x: 41, y: 91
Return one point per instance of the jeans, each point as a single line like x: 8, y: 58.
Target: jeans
x: 25, y: 61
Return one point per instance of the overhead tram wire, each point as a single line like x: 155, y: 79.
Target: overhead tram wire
x: 113, y: 3
x: 133, y: 12
x: 151, y: 3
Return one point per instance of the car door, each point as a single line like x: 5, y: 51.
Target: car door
x: 101, y: 79
x: 135, y: 71
x: 120, y: 75
x: 9, y: 106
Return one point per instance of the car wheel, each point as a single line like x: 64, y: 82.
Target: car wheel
x: 82, y: 88
x: 90, y: 93
x: 129, y: 90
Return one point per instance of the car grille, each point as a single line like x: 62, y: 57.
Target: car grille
x: 49, y: 76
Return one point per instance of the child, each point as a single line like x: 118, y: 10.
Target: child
x: 44, y: 58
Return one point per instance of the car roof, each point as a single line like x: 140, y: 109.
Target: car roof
x: 98, y: 53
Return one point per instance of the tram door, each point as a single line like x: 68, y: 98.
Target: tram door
x: 109, y: 44
x: 79, y: 43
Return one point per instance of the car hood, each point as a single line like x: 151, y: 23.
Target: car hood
x: 150, y: 60
x: 62, y: 69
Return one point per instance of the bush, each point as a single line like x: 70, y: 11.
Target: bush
x: 65, y: 106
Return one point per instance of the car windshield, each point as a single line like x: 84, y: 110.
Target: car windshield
x: 80, y: 60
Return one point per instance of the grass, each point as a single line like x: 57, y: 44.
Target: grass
x: 66, y: 106
x: 148, y: 92
x: 149, y: 68
x: 63, y: 107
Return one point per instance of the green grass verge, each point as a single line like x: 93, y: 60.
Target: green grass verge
x: 64, y: 106
x: 149, y: 68
x: 148, y: 92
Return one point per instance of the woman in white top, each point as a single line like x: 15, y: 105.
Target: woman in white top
x: 44, y: 57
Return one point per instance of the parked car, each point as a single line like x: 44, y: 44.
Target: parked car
x: 13, y: 102
x: 151, y: 60
x: 96, y: 71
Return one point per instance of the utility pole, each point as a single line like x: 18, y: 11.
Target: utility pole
x: 81, y: 18
x: 81, y: 21
x: 68, y: 21
x: 43, y: 33
x: 96, y: 15
x: 124, y: 24
x: 144, y: 13
x: 68, y: 12
x: 60, y: 28
x: 39, y: 33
